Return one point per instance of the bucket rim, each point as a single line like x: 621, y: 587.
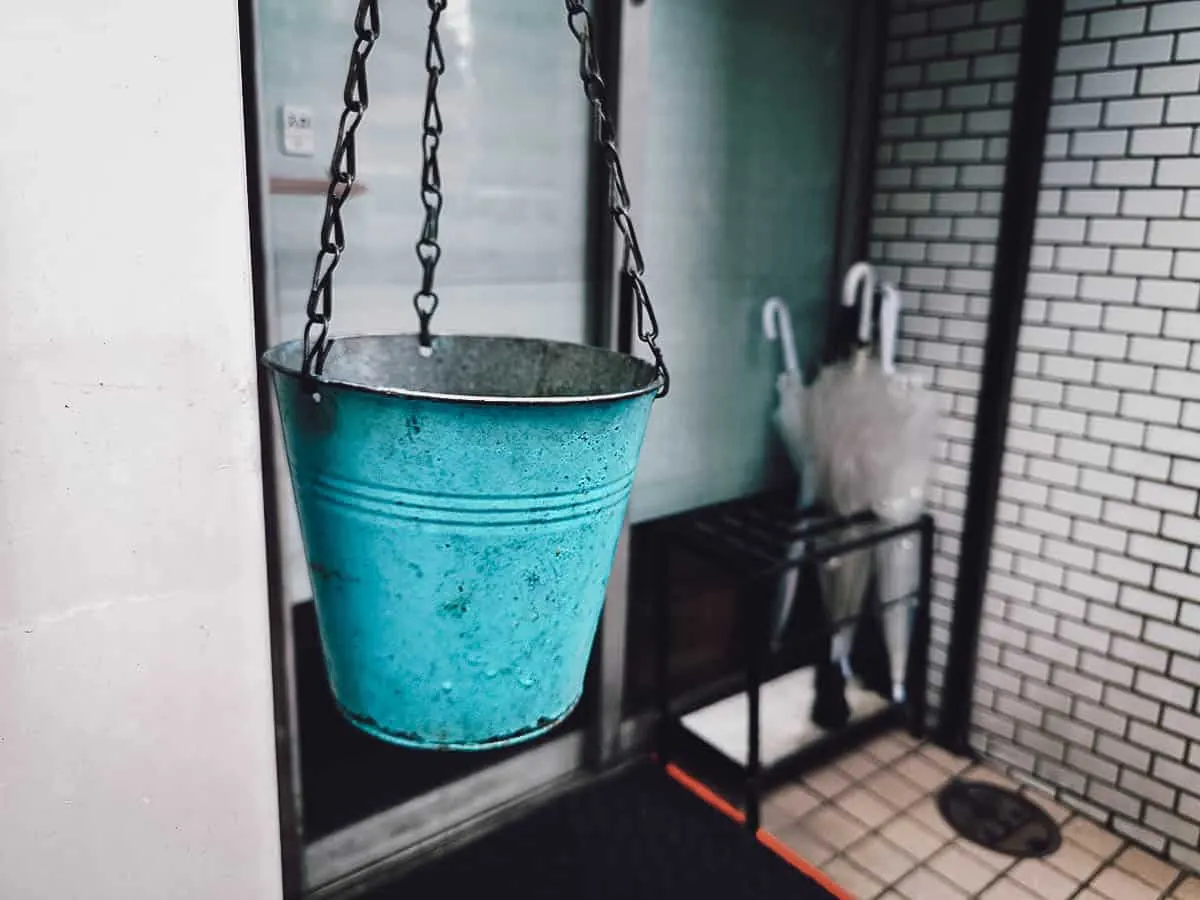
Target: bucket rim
x: 272, y: 358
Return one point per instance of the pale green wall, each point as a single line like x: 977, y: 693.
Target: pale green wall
x: 740, y: 202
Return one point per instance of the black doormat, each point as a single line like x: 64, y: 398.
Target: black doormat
x: 637, y: 835
x: 999, y: 819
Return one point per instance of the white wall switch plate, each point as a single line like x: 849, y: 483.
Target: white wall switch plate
x: 298, y: 137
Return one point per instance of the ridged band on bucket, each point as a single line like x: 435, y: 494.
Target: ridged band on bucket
x: 460, y: 513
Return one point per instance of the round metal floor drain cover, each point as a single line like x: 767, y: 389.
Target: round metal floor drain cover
x: 998, y: 819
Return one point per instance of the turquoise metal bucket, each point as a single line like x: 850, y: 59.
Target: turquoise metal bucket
x: 460, y: 513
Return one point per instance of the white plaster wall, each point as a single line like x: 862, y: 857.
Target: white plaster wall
x: 136, y: 750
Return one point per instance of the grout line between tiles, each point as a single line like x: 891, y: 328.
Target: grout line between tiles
x: 1106, y: 863
x: 1176, y: 884
x: 925, y: 794
x: 905, y: 809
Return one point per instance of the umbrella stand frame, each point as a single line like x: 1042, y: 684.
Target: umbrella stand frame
x: 750, y: 539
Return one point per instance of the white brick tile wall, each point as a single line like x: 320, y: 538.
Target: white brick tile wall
x: 1180, y: 172
x: 1090, y: 662
x: 1129, y: 261
x: 1178, y: 79
x: 1098, y: 144
x: 943, y: 133
x: 1125, y: 172
x: 1152, y: 203
x: 1148, y: 111
x: 1188, y: 45
x: 1174, y: 16
x: 1090, y: 658
x: 1115, y: 233
x: 1165, y: 141
x: 1175, y: 294
x: 1187, y: 266
x: 1116, y: 23
x: 1143, y: 51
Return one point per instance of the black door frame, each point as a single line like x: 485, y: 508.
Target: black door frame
x: 1040, y: 39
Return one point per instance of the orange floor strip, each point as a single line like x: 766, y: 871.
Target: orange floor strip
x: 765, y: 838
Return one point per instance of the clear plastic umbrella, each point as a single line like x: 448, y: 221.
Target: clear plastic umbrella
x: 789, y: 414
x: 898, y: 453
x: 789, y: 420
x: 840, y: 405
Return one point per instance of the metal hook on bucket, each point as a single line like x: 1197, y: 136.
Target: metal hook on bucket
x: 424, y: 317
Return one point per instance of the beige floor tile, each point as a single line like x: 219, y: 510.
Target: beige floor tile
x: 927, y: 813
x: 1091, y: 837
x: 853, y: 879
x: 924, y: 884
x: 960, y: 868
x: 997, y: 862
x: 921, y: 772
x: 1071, y: 859
x: 947, y: 762
x: 1054, y: 809
x: 805, y: 844
x: 906, y: 739
x: 1146, y: 867
x: 836, y: 828
x: 912, y: 837
x: 775, y: 818
x: 1043, y: 880
x: 882, y: 837
x: 858, y: 765
x: 991, y: 776
x: 1007, y: 889
x: 888, y: 749
x: 895, y: 789
x: 794, y: 799
x: 1118, y: 885
x: 828, y: 782
x: 882, y: 858
x: 866, y: 806
x: 1189, y: 890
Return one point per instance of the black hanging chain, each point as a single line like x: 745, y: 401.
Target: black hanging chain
x: 343, y: 171
x: 580, y: 22
x: 429, y: 251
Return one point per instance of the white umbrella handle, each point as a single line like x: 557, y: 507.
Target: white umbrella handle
x: 889, y: 325
x: 861, y: 274
x: 777, y: 326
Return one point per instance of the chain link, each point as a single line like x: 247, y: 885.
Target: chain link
x: 343, y: 172
x: 429, y: 251
x: 634, y: 266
